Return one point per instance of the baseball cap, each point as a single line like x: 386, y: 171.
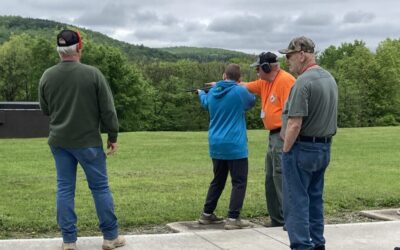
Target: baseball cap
x: 265, y: 57
x: 67, y: 38
x: 298, y: 44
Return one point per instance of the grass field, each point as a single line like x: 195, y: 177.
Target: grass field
x: 161, y: 177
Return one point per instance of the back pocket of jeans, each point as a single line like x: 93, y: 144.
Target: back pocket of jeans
x: 92, y: 154
x: 312, y: 159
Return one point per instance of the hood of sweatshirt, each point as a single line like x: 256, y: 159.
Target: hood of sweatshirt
x: 222, y: 87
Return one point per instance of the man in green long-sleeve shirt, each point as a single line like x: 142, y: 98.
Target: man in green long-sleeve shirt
x: 78, y: 100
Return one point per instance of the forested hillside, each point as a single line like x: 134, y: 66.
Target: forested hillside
x: 149, y: 84
x: 48, y: 29
x: 206, y: 54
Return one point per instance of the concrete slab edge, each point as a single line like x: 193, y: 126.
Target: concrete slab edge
x: 378, y: 214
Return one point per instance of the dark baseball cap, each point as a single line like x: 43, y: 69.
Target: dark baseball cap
x: 67, y: 38
x: 265, y: 57
x: 299, y: 44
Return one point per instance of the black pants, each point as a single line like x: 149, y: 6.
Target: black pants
x: 238, y: 169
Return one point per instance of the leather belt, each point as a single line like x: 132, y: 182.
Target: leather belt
x: 274, y: 131
x: 314, y: 139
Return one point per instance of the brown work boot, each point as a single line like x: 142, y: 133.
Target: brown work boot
x: 68, y: 246
x: 210, y: 219
x: 111, y: 244
x: 236, y: 224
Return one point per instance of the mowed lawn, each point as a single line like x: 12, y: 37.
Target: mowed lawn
x: 161, y: 177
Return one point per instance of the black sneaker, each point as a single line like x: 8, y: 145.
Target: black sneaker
x: 210, y: 219
x: 270, y: 224
x: 320, y: 247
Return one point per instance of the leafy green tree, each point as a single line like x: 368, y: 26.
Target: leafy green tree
x: 43, y: 56
x: 364, y: 96
x: 173, y: 108
x: 15, y: 68
x: 366, y: 82
x: 331, y: 55
x: 131, y: 92
x: 388, y: 59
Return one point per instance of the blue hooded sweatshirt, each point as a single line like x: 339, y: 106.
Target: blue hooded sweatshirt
x: 226, y: 103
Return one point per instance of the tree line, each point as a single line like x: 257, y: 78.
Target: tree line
x: 150, y: 94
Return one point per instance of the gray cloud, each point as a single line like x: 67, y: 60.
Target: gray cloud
x: 315, y: 19
x: 239, y: 24
x: 111, y: 14
x: 161, y: 35
x: 247, y: 25
x: 358, y: 17
x: 169, y: 20
x: 144, y: 17
x: 192, y: 26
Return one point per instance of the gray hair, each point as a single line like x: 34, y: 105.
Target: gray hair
x: 68, y: 50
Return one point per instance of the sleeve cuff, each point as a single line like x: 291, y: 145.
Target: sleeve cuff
x: 112, y: 138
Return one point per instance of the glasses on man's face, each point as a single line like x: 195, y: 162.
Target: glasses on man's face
x: 289, y: 55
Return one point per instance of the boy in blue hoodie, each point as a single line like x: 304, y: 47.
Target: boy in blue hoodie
x: 226, y: 103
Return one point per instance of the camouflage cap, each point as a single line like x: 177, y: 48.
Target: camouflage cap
x: 299, y: 44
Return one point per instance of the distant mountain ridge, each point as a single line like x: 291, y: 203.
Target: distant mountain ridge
x: 205, y: 54
x: 48, y: 29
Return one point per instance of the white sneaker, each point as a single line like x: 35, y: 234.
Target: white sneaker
x: 236, y: 224
x: 68, y: 246
x: 111, y: 244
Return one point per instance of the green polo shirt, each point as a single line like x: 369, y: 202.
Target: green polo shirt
x: 314, y: 97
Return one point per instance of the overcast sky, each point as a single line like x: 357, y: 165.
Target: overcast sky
x: 244, y: 25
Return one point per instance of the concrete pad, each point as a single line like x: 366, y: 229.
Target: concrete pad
x: 359, y: 236
x: 149, y: 242
x: 365, y: 236
x: 194, y: 226
x: 179, y: 241
x: 275, y: 233
x: 243, y: 239
x: 383, y: 214
x: 31, y: 244
x: 83, y: 243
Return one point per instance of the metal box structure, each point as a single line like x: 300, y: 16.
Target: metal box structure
x: 22, y: 120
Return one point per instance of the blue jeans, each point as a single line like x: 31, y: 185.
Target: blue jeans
x: 303, y: 169
x: 93, y: 162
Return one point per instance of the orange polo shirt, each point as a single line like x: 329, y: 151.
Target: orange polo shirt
x: 273, y: 97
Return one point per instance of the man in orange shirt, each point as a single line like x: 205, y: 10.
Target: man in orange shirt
x: 273, y: 87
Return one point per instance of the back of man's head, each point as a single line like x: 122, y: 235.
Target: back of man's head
x: 69, y: 42
x: 232, y: 72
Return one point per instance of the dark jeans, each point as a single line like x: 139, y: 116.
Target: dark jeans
x: 303, y: 184
x: 238, y: 169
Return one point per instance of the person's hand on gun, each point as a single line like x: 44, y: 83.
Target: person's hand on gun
x: 210, y: 84
x: 112, y: 147
x: 207, y: 85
